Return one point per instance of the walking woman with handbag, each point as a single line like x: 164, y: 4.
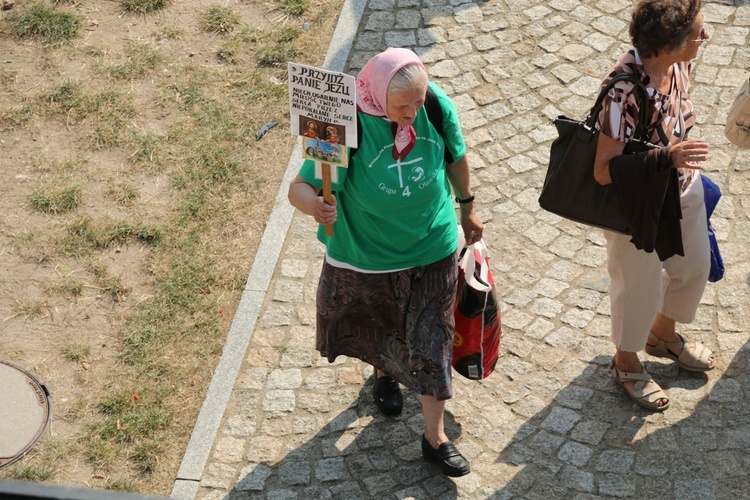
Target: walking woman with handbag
x: 388, y: 283
x: 649, y: 295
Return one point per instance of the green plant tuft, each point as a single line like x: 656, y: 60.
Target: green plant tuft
x: 146, y: 147
x: 76, y: 352
x: 32, y: 473
x: 119, y: 484
x: 229, y: 49
x: 146, y: 456
x: 84, y: 235
x: 31, y: 309
x: 285, y: 35
x: 123, y: 193
x: 143, y: 6
x: 45, y: 23
x: 275, y: 55
x: 56, y: 202
x: 219, y: 19
x: 67, y: 288
x: 140, y: 59
x: 294, y: 7
x: 67, y: 97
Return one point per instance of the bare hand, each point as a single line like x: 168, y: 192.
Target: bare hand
x: 472, y: 226
x: 689, y: 154
x: 325, y: 213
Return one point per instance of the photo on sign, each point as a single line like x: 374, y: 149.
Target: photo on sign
x: 327, y: 132
x: 322, y: 151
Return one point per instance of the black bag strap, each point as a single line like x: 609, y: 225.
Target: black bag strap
x: 434, y: 114
x: 640, y: 128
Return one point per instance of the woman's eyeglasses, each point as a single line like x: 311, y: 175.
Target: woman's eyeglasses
x: 703, y: 36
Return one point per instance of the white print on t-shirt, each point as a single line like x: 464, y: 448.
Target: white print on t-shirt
x: 418, y: 174
x: 415, y: 174
x: 398, y: 165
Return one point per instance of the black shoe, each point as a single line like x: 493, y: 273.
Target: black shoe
x: 387, y: 395
x: 451, y: 462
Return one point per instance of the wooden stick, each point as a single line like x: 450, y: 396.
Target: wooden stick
x: 327, y: 192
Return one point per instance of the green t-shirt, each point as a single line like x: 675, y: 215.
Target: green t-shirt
x: 395, y: 214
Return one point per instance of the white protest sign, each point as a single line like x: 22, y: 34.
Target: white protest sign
x: 323, y: 111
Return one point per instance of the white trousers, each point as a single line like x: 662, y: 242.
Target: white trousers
x: 641, y: 285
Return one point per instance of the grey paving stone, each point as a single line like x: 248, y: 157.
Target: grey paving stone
x: 380, y: 21
x: 279, y: 400
x: 444, y: 69
x: 578, y: 479
x: 378, y: 484
x: 546, y: 442
x: 401, y: 38
x: 295, y: 473
x: 575, y: 454
x: 209, y: 495
x: 241, y: 425
x: 516, y: 368
x: 331, y: 469
x: 295, y: 357
x: 263, y: 448
x: 253, y: 478
x: 563, y: 337
x: 284, y: 379
x: 616, y: 485
x: 229, y: 449
x: 550, y: 423
x: 726, y: 390
x: 287, y: 291
x: 589, y: 432
x: 696, y: 489
x: 281, y: 495
x: 618, y: 461
x: 408, y: 19
x: 218, y: 475
x: 560, y: 420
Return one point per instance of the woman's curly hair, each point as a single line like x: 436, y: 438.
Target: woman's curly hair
x: 659, y: 25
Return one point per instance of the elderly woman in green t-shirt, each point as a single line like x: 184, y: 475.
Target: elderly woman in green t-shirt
x: 388, y: 283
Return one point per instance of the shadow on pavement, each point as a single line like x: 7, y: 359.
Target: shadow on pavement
x: 593, y: 440
x: 359, y: 453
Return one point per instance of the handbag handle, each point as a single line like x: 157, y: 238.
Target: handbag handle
x: 640, y: 128
x: 476, y: 252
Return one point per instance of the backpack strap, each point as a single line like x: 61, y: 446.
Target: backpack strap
x: 434, y: 114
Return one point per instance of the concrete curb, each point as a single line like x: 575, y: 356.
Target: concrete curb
x: 261, y: 272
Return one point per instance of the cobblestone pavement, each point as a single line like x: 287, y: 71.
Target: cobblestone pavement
x: 550, y: 423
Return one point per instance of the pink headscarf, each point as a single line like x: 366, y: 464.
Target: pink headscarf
x: 372, y: 92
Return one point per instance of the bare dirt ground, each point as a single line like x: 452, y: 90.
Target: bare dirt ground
x: 64, y: 305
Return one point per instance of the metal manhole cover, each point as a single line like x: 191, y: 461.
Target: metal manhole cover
x: 25, y: 412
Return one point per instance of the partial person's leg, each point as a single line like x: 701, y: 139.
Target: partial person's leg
x: 387, y: 394
x: 434, y: 421
x: 686, y: 276
x: 436, y: 447
x: 635, y: 289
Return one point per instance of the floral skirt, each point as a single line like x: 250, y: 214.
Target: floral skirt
x: 399, y: 322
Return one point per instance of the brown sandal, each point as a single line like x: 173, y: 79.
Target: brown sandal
x: 694, y: 357
x: 649, y: 400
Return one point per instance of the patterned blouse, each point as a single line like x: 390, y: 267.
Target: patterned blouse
x: 672, y: 114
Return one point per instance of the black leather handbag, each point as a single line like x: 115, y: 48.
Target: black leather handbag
x: 570, y: 189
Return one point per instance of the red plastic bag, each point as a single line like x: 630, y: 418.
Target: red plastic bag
x: 476, y: 344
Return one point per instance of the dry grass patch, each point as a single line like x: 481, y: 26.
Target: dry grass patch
x: 45, y: 23
x: 155, y: 156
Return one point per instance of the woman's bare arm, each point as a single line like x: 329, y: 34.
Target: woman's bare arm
x: 305, y: 198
